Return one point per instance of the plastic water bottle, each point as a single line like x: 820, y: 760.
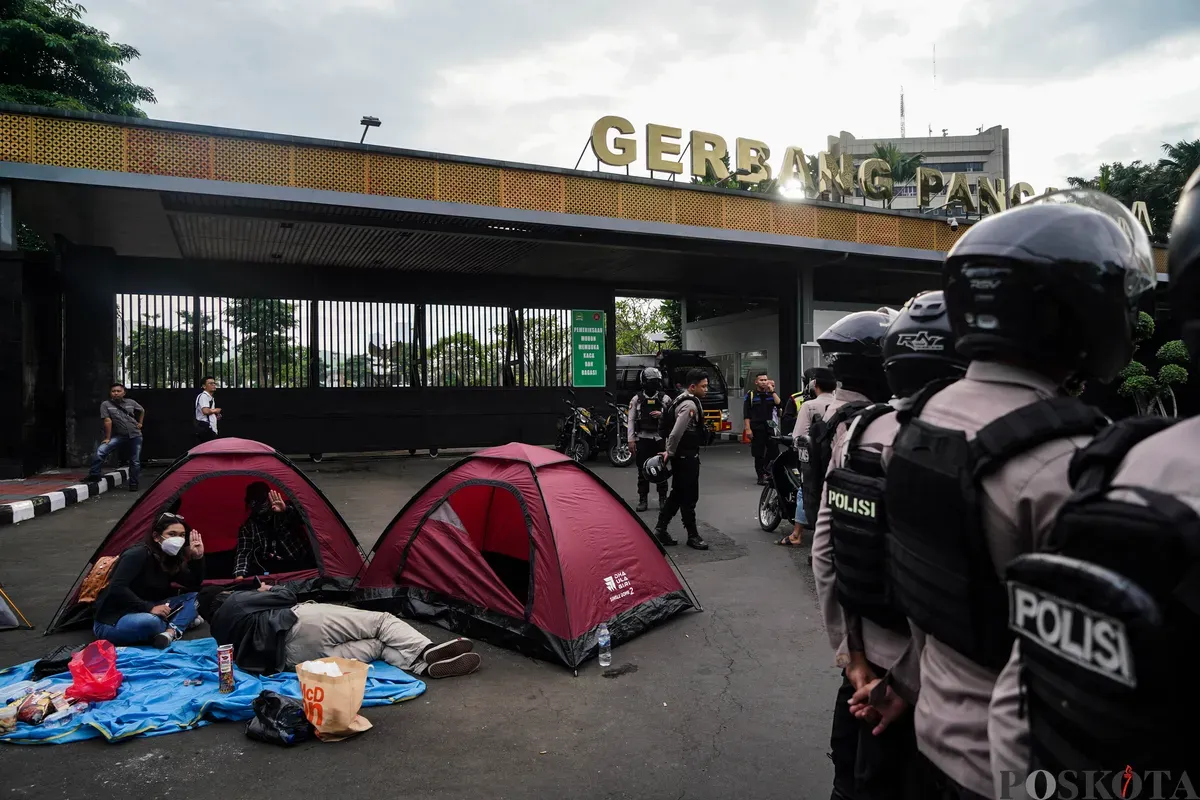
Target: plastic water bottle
x: 604, y: 639
x: 61, y: 719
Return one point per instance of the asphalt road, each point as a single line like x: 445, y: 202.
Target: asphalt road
x: 734, y: 701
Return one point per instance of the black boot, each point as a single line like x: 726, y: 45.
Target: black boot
x: 695, y: 541
x: 643, y: 503
x: 664, y: 537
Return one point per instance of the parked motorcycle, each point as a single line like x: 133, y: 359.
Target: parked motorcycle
x: 576, y: 431
x: 613, y: 435
x: 778, y: 499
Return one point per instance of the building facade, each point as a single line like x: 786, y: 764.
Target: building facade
x: 982, y: 155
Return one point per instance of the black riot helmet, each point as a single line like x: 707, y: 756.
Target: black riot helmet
x: 1183, y: 264
x: 1053, y: 283
x: 651, y: 380
x: 919, y: 346
x: 657, y: 469
x: 853, y: 349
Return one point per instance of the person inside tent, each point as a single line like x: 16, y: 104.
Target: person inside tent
x: 271, y: 632
x: 273, y: 539
x: 141, y: 605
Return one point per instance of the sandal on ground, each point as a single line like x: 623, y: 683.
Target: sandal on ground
x: 787, y: 542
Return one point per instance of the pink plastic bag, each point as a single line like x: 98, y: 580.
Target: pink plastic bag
x: 95, y: 672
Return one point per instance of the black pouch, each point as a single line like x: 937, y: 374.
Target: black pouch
x: 278, y: 720
x: 56, y: 661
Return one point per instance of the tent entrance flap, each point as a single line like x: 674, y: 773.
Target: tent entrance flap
x: 490, y: 520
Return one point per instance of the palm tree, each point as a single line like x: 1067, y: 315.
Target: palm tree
x: 1183, y: 158
x: 903, y: 166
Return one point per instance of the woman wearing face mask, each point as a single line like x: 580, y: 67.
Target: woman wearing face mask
x: 141, y: 604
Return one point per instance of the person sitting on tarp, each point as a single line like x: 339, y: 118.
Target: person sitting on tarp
x: 271, y: 632
x: 141, y: 605
x: 273, y: 539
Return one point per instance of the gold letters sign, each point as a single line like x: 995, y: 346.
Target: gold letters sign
x: 833, y: 178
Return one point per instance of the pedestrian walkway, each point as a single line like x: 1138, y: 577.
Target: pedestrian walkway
x: 52, y: 491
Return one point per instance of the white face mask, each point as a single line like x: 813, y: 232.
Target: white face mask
x: 173, y: 544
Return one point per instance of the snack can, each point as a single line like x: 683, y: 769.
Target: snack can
x: 225, y: 668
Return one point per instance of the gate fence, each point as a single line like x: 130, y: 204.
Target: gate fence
x: 172, y: 341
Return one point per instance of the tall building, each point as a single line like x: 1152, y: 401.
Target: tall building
x: 982, y: 155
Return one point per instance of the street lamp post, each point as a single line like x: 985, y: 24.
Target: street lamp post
x: 368, y: 123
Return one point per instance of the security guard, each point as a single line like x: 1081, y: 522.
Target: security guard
x: 791, y: 406
x: 686, y: 415
x: 645, y: 409
x: 1038, y: 296
x: 918, y: 348
x: 1120, y: 586
x: 758, y: 409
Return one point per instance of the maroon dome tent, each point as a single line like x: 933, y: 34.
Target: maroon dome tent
x: 207, y: 486
x: 522, y: 547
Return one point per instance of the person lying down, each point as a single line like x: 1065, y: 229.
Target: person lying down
x: 271, y: 631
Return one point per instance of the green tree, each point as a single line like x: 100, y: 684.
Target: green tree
x: 903, y: 166
x: 731, y: 182
x: 160, y: 356
x: 49, y: 57
x: 1158, y: 185
x: 1155, y: 394
x: 459, y: 359
x: 637, y: 320
x: 267, y: 353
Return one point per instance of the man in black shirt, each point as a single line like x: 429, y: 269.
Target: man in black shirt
x: 271, y: 631
x: 758, y: 409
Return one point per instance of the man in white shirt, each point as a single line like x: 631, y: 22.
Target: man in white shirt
x: 207, y: 413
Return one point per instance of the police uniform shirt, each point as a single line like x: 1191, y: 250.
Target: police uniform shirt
x: 1019, y: 504
x: 882, y: 646
x: 810, y: 411
x: 1166, y: 462
x: 822, y: 544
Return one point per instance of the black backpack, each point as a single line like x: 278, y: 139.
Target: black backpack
x: 819, y: 452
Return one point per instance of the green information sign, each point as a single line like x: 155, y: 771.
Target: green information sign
x: 588, y: 363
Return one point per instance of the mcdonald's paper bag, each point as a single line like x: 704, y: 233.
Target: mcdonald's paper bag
x: 331, y: 702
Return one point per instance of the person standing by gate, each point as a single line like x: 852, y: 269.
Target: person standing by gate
x: 123, y: 418
x: 207, y: 413
x: 686, y: 417
x: 645, y: 409
x: 758, y: 409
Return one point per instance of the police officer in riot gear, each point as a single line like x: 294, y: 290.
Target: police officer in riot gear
x: 645, y: 409
x: 852, y: 347
x: 917, y: 350
x: 682, y: 450
x: 1105, y: 616
x: 1039, y: 295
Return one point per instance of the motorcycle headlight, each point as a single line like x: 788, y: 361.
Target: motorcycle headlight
x: 724, y: 415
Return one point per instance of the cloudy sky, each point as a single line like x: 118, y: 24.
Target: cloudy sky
x: 1077, y: 82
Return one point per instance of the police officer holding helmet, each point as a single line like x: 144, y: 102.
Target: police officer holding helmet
x: 1105, y: 615
x: 1040, y: 297
x: 645, y: 410
x: 918, y: 349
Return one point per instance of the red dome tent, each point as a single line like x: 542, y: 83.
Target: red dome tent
x: 523, y: 547
x: 207, y: 486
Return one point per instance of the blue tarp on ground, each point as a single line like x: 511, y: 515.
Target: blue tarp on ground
x: 153, y: 700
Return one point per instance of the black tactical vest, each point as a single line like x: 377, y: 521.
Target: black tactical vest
x: 1108, y: 618
x: 858, y: 528
x: 938, y: 558
x: 646, y: 425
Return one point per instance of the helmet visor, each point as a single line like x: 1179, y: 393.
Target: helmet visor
x: 1141, y: 275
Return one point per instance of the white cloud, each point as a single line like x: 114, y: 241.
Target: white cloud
x: 1077, y: 82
